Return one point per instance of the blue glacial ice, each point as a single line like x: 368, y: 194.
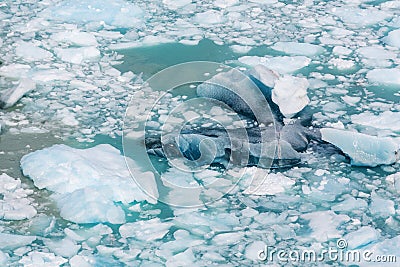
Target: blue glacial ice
x: 363, y: 150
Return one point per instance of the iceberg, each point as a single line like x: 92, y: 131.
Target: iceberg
x: 363, y: 150
x: 290, y: 94
x: 87, y: 183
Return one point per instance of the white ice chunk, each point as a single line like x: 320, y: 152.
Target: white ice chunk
x: 350, y: 204
x: 393, y: 38
x: 363, y: 150
x: 117, y: 13
x: 14, y: 71
x: 47, y: 75
x: 394, y: 180
x: 78, y: 55
x: 270, y: 184
x: 11, y: 96
x: 376, y: 52
x: 324, y: 224
x: 75, y: 38
x: 64, y: 247
x: 185, y: 258
x: 384, y: 76
x: 145, y: 230
x: 299, y: 49
x: 10, y: 241
x: 88, y: 181
x: 209, y: 18
x: 386, y: 120
x: 281, y: 65
x: 43, y: 259
x: 342, y: 64
x: 381, y: 207
x: 264, y: 2
x: 264, y: 75
x: 290, y: 94
x: 362, y: 237
x: 357, y: 17
x: 175, y: 4
x: 31, y: 52
x: 15, y: 204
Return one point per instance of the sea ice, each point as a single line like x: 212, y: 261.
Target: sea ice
x: 290, y: 94
x: 393, y: 38
x: 15, y: 204
x: 350, y: 204
x: 77, y: 55
x: 209, y: 17
x: 145, y: 231
x: 363, y: 150
x: 362, y: 237
x: 324, y: 224
x: 117, y: 13
x: 384, y: 76
x: 31, y: 52
x: 88, y: 182
x: 386, y: 120
x: 298, y: 49
x: 75, y: 38
x: 269, y: 184
x: 10, y: 241
x: 175, y: 4
x: 43, y: 259
x: 281, y: 65
x: 381, y: 207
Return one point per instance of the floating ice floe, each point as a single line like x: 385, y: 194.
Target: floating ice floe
x: 393, y: 38
x: 356, y: 17
x: 363, y: 150
x: 118, y: 13
x: 385, y: 120
x: 269, y: 184
x: 15, y: 203
x: 325, y: 224
x: 31, y: 52
x: 298, y: 49
x: 37, y: 258
x: 290, y: 94
x: 384, y: 76
x: 87, y: 182
x: 11, y: 241
x: 362, y: 237
x: 281, y: 65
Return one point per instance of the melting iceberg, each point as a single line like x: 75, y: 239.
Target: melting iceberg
x: 87, y: 183
x: 363, y: 150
